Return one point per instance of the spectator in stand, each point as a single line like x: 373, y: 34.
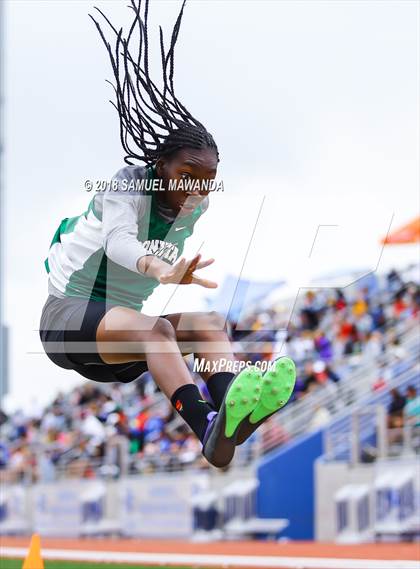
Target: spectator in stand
x: 138, y: 431
x: 360, y: 306
x: 412, y: 407
x: 399, y: 305
x: 394, y: 281
x: 316, y: 374
x: 89, y: 392
x: 54, y: 419
x: 323, y: 346
x: 320, y: 418
x: 309, y: 376
x: 309, y: 314
x: 20, y: 464
x: 340, y: 302
x: 384, y: 376
x: 3, y: 417
x: 154, y: 428
x: 364, y: 324
x: 415, y: 296
x: 299, y: 347
x: 396, y: 352
x: 332, y: 375
x: 349, y: 337
x: 4, y: 455
x: 396, y: 410
x: 379, y: 384
x: 374, y: 346
x: 378, y: 316
x: 272, y: 434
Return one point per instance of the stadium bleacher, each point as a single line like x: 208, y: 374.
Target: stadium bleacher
x: 351, y: 350
x: 332, y: 335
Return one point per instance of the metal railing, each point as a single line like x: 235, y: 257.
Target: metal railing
x: 297, y: 417
x: 364, y: 425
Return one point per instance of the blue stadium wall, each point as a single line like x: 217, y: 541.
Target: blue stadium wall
x: 287, y: 485
x: 287, y: 475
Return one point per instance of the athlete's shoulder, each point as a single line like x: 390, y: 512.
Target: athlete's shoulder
x: 122, y: 195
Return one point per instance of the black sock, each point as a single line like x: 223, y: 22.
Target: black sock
x: 190, y: 404
x: 217, y: 385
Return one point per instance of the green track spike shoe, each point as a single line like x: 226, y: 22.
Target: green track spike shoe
x: 241, y: 399
x: 276, y: 389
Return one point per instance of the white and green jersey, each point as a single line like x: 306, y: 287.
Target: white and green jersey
x: 94, y: 255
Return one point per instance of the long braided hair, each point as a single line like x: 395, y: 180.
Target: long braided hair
x: 152, y: 120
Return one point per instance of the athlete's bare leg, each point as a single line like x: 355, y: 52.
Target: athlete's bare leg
x: 125, y: 335
x: 205, y: 335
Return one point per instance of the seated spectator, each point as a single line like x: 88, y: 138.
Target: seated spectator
x: 396, y: 410
x: 340, y: 303
x: 272, y: 434
x: 374, y: 346
x: 299, y: 347
x: 309, y: 314
x: 364, y: 324
x: 412, y: 407
x: 3, y: 417
x: 396, y: 352
x: 360, y: 306
x: 400, y: 305
x: 379, y: 384
x: 320, y: 418
x: 332, y: 374
x: 384, y: 376
x: 350, y: 337
x: 309, y: 376
x: 378, y: 316
x: 394, y: 281
x: 323, y: 346
x: 4, y: 455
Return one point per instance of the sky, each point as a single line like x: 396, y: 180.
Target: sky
x: 313, y: 105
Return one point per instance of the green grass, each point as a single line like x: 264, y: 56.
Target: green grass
x: 17, y: 564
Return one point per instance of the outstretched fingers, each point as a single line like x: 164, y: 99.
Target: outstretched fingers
x: 204, y: 264
x: 183, y: 272
x: 203, y: 282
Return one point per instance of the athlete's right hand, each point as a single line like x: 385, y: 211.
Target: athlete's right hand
x: 182, y: 272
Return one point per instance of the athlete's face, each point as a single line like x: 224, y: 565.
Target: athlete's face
x: 187, y: 164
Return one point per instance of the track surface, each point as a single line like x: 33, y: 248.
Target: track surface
x: 301, y: 549
x: 310, y: 550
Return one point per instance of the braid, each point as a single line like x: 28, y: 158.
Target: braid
x: 187, y: 137
x: 152, y: 120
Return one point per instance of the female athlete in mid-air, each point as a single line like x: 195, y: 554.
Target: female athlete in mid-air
x: 105, y: 263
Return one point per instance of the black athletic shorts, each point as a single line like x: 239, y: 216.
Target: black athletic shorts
x: 70, y: 320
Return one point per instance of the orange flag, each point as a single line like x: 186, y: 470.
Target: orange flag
x: 34, y: 559
x: 408, y: 233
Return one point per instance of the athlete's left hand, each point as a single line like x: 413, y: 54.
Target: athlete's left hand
x: 182, y: 272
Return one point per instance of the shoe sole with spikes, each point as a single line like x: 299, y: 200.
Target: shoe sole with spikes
x: 241, y: 399
x: 276, y: 389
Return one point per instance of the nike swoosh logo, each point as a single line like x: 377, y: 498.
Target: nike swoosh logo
x: 179, y: 228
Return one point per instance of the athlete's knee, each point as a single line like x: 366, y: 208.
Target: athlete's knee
x: 210, y: 325
x: 163, y: 329
x: 216, y: 321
